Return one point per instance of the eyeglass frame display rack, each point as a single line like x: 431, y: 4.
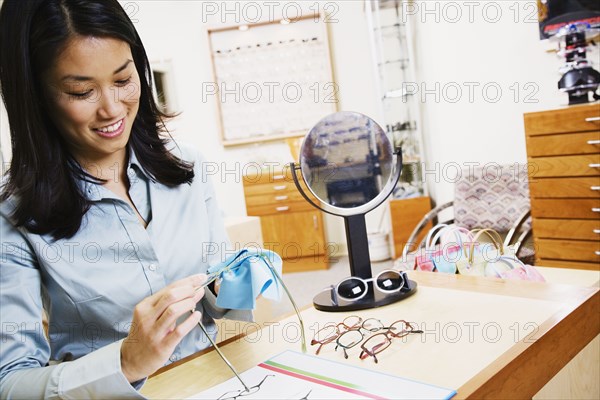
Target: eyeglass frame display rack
x: 405, y: 133
x: 320, y: 96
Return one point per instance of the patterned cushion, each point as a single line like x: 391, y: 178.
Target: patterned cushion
x: 491, y: 196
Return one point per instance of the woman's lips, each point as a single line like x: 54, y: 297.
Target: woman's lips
x: 119, y: 128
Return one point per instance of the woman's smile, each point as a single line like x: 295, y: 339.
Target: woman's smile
x: 112, y: 130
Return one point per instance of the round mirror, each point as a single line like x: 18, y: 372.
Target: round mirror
x: 347, y: 160
x: 348, y: 164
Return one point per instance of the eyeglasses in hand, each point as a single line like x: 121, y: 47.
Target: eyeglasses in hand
x: 233, y: 264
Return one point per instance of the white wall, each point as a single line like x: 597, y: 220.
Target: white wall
x: 496, y: 44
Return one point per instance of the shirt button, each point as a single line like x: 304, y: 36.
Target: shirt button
x: 173, y: 358
x: 152, y: 267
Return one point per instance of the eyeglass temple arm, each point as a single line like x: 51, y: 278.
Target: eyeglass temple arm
x: 274, y: 271
x: 211, y: 278
x: 221, y: 354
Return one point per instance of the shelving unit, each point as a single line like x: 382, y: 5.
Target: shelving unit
x: 390, y: 34
x: 393, y: 57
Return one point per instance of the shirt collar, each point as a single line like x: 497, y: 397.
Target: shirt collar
x: 134, y: 162
x: 95, y: 191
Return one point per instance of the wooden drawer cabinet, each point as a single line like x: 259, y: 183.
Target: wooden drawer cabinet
x: 566, y: 166
x: 563, y: 150
x: 565, y: 208
x: 578, y: 250
x: 560, y: 145
x: 566, y: 120
x: 279, y: 208
x: 290, y: 225
x: 576, y: 187
x: 406, y: 214
x: 579, y: 229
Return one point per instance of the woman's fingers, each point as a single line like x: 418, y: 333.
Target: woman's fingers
x: 175, y: 336
x: 192, y: 281
x: 171, y: 296
x: 175, y: 310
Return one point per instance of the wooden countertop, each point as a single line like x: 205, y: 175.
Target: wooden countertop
x: 483, y: 337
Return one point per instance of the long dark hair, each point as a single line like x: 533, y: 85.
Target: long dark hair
x: 43, y: 175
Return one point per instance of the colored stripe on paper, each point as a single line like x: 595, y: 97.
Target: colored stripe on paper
x: 319, y: 379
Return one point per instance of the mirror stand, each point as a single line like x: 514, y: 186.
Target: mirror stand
x: 360, y: 263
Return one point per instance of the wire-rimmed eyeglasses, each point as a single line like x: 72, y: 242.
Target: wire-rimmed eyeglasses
x: 236, y: 394
x: 381, y: 341
x: 352, y: 337
x: 331, y: 331
x: 232, y: 265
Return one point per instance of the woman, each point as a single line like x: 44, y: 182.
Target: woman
x: 105, y: 225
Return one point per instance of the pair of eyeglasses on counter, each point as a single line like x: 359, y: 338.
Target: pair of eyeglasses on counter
x: 232, y: 265
x: 353, y: 330
x: 332, y: 331
x: 377, y: 343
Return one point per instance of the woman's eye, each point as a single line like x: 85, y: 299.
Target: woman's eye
x: 80, y: 95
x: 123, y: 82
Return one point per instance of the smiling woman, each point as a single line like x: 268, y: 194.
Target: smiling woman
x: 103, y: 226
x: 70, y: 84
x: 94, y: 112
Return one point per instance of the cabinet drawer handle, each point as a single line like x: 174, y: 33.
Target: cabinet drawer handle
x: 593, y: 142
x: 280, y: 187
x: 592, y: 119
x: 597, y: 231
x: 280, y: 198
x: 596, y: 210
x: 595, y: 188
x: 278, y: 177
x: 594, y: 165
x: 597, y: 253
x: 283, y: 208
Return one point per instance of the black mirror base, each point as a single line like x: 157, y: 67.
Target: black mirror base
x: 323, y: 301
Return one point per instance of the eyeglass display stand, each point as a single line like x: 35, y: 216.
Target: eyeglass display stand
x: 360, y: 266
x: 358, y: 247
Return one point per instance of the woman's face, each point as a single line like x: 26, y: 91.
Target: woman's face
x: 93, y: 97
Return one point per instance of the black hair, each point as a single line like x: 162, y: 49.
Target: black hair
x: 42, y: 177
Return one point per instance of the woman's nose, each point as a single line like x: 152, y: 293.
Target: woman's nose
x: 109, y: 104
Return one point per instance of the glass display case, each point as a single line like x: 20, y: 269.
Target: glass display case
x: 391, y: 40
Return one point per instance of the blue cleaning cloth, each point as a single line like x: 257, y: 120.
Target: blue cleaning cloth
x: 245, y: 276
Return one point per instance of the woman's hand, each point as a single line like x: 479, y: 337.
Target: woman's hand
x: 154, y: 333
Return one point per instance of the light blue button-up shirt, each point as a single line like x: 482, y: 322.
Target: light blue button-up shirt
x: 90, y: 283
